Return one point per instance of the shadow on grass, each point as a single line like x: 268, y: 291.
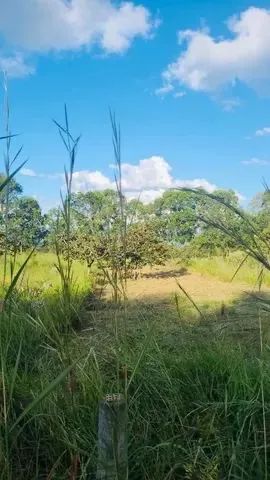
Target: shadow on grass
x: 178, y: 322
x: 167, y: 273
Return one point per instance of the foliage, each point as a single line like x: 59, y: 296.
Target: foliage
x: 175, y: 212
x: 26, y: 225
x: 208, y: 243
x: 142, y: 247
x: 210, y: 240
x: 95, y: 211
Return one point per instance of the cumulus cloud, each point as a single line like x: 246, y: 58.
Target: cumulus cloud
x: 209, y: 64
x: 28, y: 172
x: 146, y: 180
x: 263, y: 132
x: 230, y: 104
x: 255, y: 161
x: 196, y: 183
x: 84, y: 180
x: 145, y: 196
x: 179, y: 94
x: 42, y: 26
x: 162, y: 91
x: 150, y: 173
x: 15, y: 65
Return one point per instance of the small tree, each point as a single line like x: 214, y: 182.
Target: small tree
x: 143, y: 247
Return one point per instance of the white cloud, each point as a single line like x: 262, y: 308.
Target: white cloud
x: 15, y: 65
x: 168, y: 88
x: 122, y: 25
x: 179, y: 94
x: 146, y: 180
x: 85, y: 180
x: 255, y: 161
x: 149, y: 173
x: 229, y: 104
x: 263, y: 132
x: 28, y: 172
x: 145, y: 196
x: 42, y: 26
x: 209, y: 64
x: 196, y: 183
x: 162, y: 91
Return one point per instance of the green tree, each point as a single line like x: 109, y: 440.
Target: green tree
x: 213, y: 213
x: 95, y: 211
x: 260, y: 208
x: 142, y: 247
x: 176, y: 216
x: 137, y: 211
x: 26, y: 227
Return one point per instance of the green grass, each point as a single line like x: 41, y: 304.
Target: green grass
x: 41, y: 273
x: 224, y: 269
x: 198, y: 396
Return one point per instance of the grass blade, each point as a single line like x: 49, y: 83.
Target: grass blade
x: 16, y: 278
x: 50, y: 388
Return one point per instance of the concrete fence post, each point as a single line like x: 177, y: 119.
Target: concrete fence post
x: 112, y: 439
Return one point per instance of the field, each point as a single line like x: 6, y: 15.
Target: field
x: 195, y: 371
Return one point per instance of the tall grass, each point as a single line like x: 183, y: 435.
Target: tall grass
x: 10, y: 160
x: 224, y: 269
x: 195, y: 407
x: 65, y: 267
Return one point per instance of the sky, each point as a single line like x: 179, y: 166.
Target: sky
x: 189, y: 82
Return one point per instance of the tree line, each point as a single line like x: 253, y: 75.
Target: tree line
x: 178, y: 221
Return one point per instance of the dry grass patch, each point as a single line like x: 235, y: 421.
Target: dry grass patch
x: 160, y: 282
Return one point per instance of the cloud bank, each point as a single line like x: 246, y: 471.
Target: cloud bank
x: 146, y: 180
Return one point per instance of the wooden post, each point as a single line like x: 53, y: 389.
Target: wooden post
x: 112, y: 439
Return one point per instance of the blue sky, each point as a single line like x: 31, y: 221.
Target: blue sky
x: 194, y: 107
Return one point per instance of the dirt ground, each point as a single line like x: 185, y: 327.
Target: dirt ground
x: 161, y: 282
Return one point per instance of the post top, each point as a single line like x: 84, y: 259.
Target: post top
x: 114, y: 397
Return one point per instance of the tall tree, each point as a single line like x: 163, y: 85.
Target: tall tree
x: 95, y: 211
x: 26, y: 225
x: 176, y: 214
